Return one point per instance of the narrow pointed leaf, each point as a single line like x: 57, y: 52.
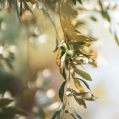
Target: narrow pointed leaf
x: 78, y: 115
x: 14, y: 111
x: 57, y: 112
x: 80, y: 102
x: 5, y: 101
x: 26, y: 5
x: 61, y: 91
x: 20, y: 7
x: 83, y: 74
x: 18, y: 12
x: 57, y: 44
x: 64, y: 73
x: 74, y: 2
x: 78, y: 85
x: 79, y: 1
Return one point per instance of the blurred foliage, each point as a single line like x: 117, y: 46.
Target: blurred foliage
x: 71, y: 54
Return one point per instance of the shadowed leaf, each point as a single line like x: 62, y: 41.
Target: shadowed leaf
x: 5, y: 101
x: 14, y: 111
x: 61, y: 91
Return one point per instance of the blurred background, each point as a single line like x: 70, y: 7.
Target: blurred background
x: 28, y: 70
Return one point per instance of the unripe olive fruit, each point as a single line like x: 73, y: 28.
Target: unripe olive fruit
x: 70, y: 53
x: 64, y: 47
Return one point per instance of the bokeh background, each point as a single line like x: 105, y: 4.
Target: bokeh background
x: 28, y: 71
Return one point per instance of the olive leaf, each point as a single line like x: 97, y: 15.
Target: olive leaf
x: 93, y: 64
x: 83, y: 74
x: 86, y: 84
x: 57, y: 44
x: 18, y: 12
x: 78, y: 85
x: 14, y: 111
x: 85, y: 96
x: 80, y: 1
x: 77, y: 45
x: 67, y: 111
x: 61, y: 91
x: 5, y: 101
x: 57, y: 112
x: 78, y: 115
x: 26, y: 5
x: 80, y: 38
x: 64, y: 73
x: 80, y: 102
x: 20, y: 7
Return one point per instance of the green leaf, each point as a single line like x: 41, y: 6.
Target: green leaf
x: 14, y: 111
x: 83, y: 74
x: 18, y: 12
x: 78, y: 115
x: 64, y: 73
x: 67, y: 111
x: 61, y: 91
x: 78, y: 85
x: 86, y: 84
x: 57, y: 44
x: 79, y: 1
x: 74, y: 2
x: 5, y: 101
x: 20, y: 7
x: 7, y: 116
x: 80, y: 102
x: 26, y: 5
x: 57, y: 112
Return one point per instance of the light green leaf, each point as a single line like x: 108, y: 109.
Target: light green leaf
x: 80, y: 102
x: 14, y: 111
x: 83, y: 74
x: 57, y: 44
x: 78, y: 115
x: 61, y: 91
x: 5, y: 101
x: 57, y: 112
x: 78, y: 85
